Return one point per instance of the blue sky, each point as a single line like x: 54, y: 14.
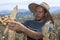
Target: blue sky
x: 23, y: 4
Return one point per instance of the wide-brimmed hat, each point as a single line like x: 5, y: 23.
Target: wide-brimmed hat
x: 33, y: 6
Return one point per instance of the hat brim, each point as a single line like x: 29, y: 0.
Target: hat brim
x: 32, y: 7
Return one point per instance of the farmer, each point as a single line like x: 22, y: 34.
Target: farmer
x: 33, y: 28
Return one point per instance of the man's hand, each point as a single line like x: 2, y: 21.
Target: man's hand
x: 16, y: 26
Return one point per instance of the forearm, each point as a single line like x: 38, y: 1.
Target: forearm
x: 20, y: 27
x: 31, y: 33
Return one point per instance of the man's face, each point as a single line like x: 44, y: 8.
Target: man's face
x: 39, y: 14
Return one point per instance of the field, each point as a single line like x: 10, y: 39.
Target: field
x: 56, y: 20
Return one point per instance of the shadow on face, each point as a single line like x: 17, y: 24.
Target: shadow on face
x: 39, y: 14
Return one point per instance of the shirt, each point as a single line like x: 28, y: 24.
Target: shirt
x: 36, y: 26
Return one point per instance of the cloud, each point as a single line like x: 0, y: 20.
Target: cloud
x: 53, y: 2
x: 23, y: 4
x: 8, y: 1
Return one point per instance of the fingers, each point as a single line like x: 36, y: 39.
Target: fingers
x: 10, y: 24
x: 13, y: 25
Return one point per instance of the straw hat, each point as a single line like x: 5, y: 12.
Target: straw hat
x: 32, y: 6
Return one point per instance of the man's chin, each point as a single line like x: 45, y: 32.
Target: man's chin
x: 39, y: 19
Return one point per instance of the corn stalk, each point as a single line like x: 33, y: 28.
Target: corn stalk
x: 45, y: 30
x: 11, y: 34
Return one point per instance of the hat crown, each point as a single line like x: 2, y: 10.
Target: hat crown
x: 45, y: 5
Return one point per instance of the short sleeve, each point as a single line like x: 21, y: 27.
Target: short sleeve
x: 51, y: 28
x: 26, y: 23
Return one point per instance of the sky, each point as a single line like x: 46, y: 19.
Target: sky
x: 23, y: 4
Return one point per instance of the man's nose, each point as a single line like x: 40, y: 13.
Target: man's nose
x: 38, y: 13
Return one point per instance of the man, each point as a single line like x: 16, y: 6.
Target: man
x: 33, y: 28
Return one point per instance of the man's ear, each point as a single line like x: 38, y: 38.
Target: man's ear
x: 46, y: 13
